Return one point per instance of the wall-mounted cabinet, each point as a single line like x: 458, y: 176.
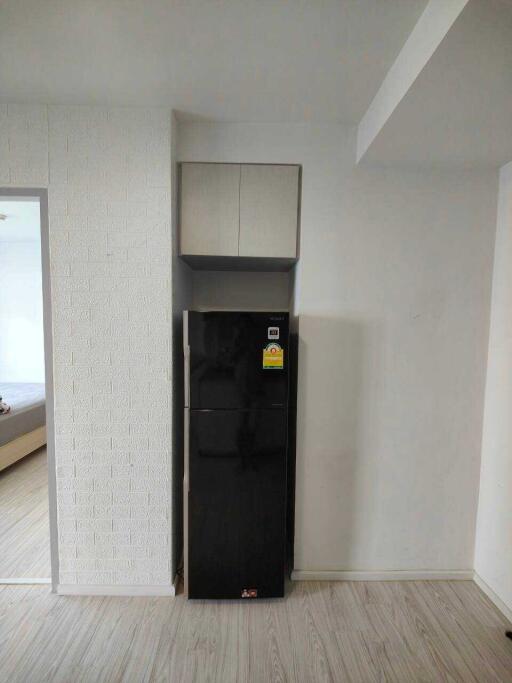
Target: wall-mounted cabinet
x: 210, y: 209
x: 239, y: 216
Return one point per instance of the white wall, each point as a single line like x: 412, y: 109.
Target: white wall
x: 108, y: 173
x: 493, y: 552
x: 393, y: 296
x: 21, y: 312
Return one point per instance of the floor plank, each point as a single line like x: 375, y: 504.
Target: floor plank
x: 24, y: 522
x: 365, y: 633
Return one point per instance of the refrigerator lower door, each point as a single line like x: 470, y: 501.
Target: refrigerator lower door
x: 236, y: 504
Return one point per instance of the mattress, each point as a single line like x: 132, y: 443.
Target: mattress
x: 28, y: 409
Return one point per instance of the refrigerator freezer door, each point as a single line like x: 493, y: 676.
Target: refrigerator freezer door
x: 236, y: 515
x: 231, y: 361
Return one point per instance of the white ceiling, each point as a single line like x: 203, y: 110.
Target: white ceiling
x: 458, y: 112
x: 229, y: 60
x: 22, y: 222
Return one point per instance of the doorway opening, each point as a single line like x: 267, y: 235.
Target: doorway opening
x: 27, y: 469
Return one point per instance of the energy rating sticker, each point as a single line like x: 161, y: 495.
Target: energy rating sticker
x: 273, y: 357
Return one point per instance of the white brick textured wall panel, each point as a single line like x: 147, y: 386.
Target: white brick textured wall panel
x: 113, y: 564
x: 94, y: 578
x: 110, y: 428
x: 159, y: 413
x: 157, y: 551
x: 65, y: 471
x: 158, y: 524
x: 108, y: 176
x: 75, y: 484
x: 151, y: 539
x: 76, y: 538
x: 100, y: 401
x: 68, y: 498
x: 158, y: 443
x: 158, y: 578
x: 113, y: 538
x: 91, y: 415
x: 131, y: 552
x: 112, y: 457
x: 67, y: 552
x: 76, y: 512
x: 94, y: 551
x: 135, y: 498
x: 156, y: 360
x: 96, y: 444
x: 27, y: 131
x: 81, y: 266
x: 111, y: 484
x: 67, y: 577
x: 131, y: 525
x: 4, y: 146
x: 149, y: 564
x: 121, y: 511
x: 94, y: 525
x: 142, y: 485
x: 72, y: 429
x: 72, y: 564
x: 95, y: 472
x: 140, y: 472
x: 132, y: 578
x: 148, y: 457
x: 67, y: 526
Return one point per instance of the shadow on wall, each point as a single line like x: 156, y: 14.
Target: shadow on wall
x: 338, y: 371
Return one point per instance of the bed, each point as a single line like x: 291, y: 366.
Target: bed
x: 23, y: 429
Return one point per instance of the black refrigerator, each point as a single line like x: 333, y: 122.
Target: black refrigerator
x: 236, y: 433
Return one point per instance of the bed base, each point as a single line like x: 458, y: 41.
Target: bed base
x: 22, y: 446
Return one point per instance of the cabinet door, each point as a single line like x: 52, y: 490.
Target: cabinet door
x: 209, y: 215
x: 269, y: 198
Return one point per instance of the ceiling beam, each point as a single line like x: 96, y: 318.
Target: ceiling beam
x: 432, y: 26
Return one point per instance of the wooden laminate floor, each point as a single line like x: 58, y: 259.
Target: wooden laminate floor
x: 322, y: 631
x: 24, y: 526
x: 367, y: 632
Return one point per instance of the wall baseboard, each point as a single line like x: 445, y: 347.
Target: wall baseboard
x: 392, y: 575
x: 125, y: 591
x: 24, y: 582
x: 498, y: 602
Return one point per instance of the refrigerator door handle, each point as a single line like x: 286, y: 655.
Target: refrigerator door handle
x: 186, y: 491
x: 186, y: 360
x: 186, y: 374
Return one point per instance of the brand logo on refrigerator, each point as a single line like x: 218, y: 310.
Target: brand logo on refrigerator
x: 249, y: 593
x: 273, y: 332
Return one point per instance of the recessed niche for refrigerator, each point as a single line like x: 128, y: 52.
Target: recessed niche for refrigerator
x: 241, y: 291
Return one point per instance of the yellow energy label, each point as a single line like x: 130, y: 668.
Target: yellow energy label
x: 273, y: 357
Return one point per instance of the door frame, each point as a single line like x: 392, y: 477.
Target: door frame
x: 41, y: 194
